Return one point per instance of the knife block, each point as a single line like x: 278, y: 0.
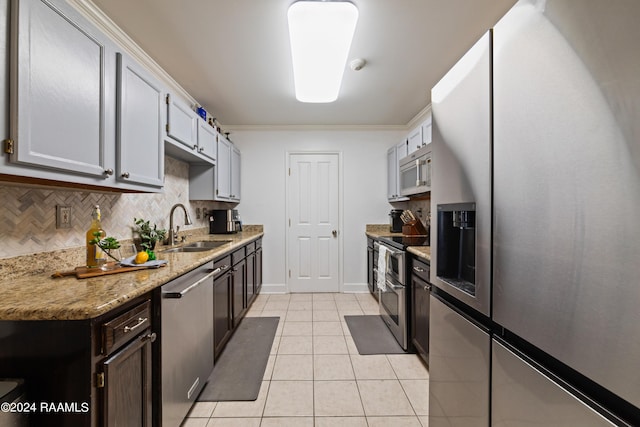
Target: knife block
x: 414, y: 228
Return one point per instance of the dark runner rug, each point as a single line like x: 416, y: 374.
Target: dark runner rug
x: 372, y: 336
x: 238, y: 372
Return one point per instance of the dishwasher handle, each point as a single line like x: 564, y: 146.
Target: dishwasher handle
x: 191, y: 287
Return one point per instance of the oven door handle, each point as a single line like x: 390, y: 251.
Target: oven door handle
x: 392, y: 286
x: 389, y: 250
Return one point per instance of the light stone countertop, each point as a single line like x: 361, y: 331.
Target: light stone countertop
x: 383, y: 230
x: 40, y: 297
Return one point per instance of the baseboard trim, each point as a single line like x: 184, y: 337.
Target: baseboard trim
x: 274, y: 289
x: 355, y: 288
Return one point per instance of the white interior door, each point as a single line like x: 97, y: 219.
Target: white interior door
x: 313, y: 249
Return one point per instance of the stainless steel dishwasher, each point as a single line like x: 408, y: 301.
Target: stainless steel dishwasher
x: 186, y: 341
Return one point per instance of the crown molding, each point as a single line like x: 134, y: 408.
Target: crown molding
x: 94, y: 14
x: 341, y: 128
x: 419, y: 118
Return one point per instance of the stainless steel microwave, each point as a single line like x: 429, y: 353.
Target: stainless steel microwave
x: 415, y: 172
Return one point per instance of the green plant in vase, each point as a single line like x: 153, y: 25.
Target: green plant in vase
x: 107, y: 244
x: 148, y: 234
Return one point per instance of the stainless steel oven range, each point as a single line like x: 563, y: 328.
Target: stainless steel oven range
x: 395, y: 296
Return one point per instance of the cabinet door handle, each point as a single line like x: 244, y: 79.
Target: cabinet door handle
x: 125, y: 175
x: 149, y: 337
x: 108, y: 172
x: 195, y: 147
x: 141, y: 321
x: 427, y: 288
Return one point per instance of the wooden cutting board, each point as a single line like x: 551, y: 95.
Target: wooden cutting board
x: 85, y: 273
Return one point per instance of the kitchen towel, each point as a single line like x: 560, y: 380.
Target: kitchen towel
x: 383, y: 256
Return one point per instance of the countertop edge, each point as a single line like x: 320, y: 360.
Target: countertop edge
x: 147, y: 280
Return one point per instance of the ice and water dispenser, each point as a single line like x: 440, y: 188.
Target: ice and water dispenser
x: 456, y: 260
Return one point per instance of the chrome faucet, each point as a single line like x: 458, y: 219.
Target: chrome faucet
x: 173, y: 234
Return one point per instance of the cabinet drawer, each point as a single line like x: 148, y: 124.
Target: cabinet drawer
x: 420, y: 269
x: 126, y: 326
x: 251, y: 248
x: 237, y: 256
x: 223, y: 263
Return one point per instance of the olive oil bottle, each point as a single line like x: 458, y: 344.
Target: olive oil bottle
x: 96, y: 257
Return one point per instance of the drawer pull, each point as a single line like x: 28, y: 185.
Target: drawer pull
x: 141, y: 321
x: 419, y: 269
x: 149, y: 337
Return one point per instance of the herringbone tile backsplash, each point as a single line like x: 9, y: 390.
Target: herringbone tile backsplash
x: 28, y: 214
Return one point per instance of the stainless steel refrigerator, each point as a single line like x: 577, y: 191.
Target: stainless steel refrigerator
x: 561, y: 345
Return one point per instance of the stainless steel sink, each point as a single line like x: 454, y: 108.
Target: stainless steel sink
x: 201, y: 246
x: 209, y: 244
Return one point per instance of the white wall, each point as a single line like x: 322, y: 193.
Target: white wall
x: 264, y: 159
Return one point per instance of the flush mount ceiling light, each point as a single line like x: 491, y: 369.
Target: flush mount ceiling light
x: 320, y: 34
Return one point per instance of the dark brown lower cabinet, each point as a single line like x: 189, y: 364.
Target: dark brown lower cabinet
x: 251, y: 277
x: 124, y: 377
x: 239, y: 292
x: 127, y: 391
x: 258, y: 283
x: 420, y: 309
x: 222, y: 308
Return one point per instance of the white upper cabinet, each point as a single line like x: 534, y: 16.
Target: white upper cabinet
x: 207, y: 140
x: 235, y: 173
x: 182, y: 123
x: 140, y: 137
x: 189, y: 138
x: 420, y: 135
x: 79, y: 116
x: 426, y: 131
x: 394, y: 154
x: 62, y: 91
x: 414, y: 140
x: 223, y: 170
x: 392, y: 174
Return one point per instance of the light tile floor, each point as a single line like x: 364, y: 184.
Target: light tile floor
x: 315, y: 376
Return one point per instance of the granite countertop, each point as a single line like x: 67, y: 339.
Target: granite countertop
x: 382, y: 230
x: 39, y: 297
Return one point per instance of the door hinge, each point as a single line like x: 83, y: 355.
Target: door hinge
x: 289, y: 273
x: 167, y: 127
x: 167, y: 99
x: 289, y: 171
x: 289, y: 222
x: 100, y: 380
x: 8, y: 146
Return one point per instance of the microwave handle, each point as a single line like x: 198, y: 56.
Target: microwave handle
x: 419, y: 181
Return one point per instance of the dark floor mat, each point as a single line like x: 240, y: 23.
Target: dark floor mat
x: 238, y: 372
x: 372, y: 336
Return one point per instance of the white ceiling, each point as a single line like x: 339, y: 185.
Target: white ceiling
x: 233, y: 55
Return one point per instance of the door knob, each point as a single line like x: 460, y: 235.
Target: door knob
x: 335, y: 233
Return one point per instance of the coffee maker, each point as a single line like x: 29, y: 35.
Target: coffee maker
x: 224, y: 221
x: 395, y: 223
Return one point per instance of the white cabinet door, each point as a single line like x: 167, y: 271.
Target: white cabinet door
x: 140, y: 157
x: 61, y: 91
x: 392, y: 174
x: 235, y: 173
x: 182, y: 123
x: 414, y: 140
x: 223, y: 169
x: 426, y: 131
x: 207, y: 140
